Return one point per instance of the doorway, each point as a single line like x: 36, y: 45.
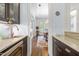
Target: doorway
x: 39, y: 13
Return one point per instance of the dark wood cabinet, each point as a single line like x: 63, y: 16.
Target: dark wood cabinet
x: 61, y: 49
x: 10, y: 10
x: 17, y: 49
x: 25, y: 46
x: 57, y: 51
x: 21, y: 50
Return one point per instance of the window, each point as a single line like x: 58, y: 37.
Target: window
x: 43, y: 25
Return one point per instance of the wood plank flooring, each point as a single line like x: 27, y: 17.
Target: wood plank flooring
x: 38, y: 51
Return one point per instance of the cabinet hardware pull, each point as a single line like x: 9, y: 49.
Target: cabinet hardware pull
x: 67, y: 50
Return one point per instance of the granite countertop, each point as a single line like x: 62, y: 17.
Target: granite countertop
x: 69, y: 41
x: 5, y: 43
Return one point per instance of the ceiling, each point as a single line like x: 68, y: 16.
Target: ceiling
x: 39, y: 10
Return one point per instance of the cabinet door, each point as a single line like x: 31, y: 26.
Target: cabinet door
x: 25, y: 46
x: 57, y: 51
x: 14, y: 12
x: 11, y: 10
x: 2, y: 12
x: 67, y: 52
x: 17, y: 51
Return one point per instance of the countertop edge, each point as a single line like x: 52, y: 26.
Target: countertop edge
x: 65, y: 42
x: 21, y: 38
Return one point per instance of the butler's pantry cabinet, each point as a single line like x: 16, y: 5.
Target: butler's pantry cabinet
x: 10, y: 10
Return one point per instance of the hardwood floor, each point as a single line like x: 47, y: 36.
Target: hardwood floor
x: 39, y: 51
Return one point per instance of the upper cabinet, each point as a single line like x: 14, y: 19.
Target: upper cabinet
x: 15, y: 12
x: 10, y: 10
x: 2, y: 11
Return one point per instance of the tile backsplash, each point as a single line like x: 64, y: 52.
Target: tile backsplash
x: 23, y: 30
x: 4, y: 31
x: 74, y: 35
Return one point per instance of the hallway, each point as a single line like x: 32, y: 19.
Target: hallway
x: 39, y: 48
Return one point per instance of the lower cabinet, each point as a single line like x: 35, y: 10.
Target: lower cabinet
x: 57, y: 51
x: 21, y: 50
x: 60, y: 49
x: 18, y: 49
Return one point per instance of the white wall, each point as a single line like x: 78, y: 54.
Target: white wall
x: 25, y: 19
x: 56, y: 23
